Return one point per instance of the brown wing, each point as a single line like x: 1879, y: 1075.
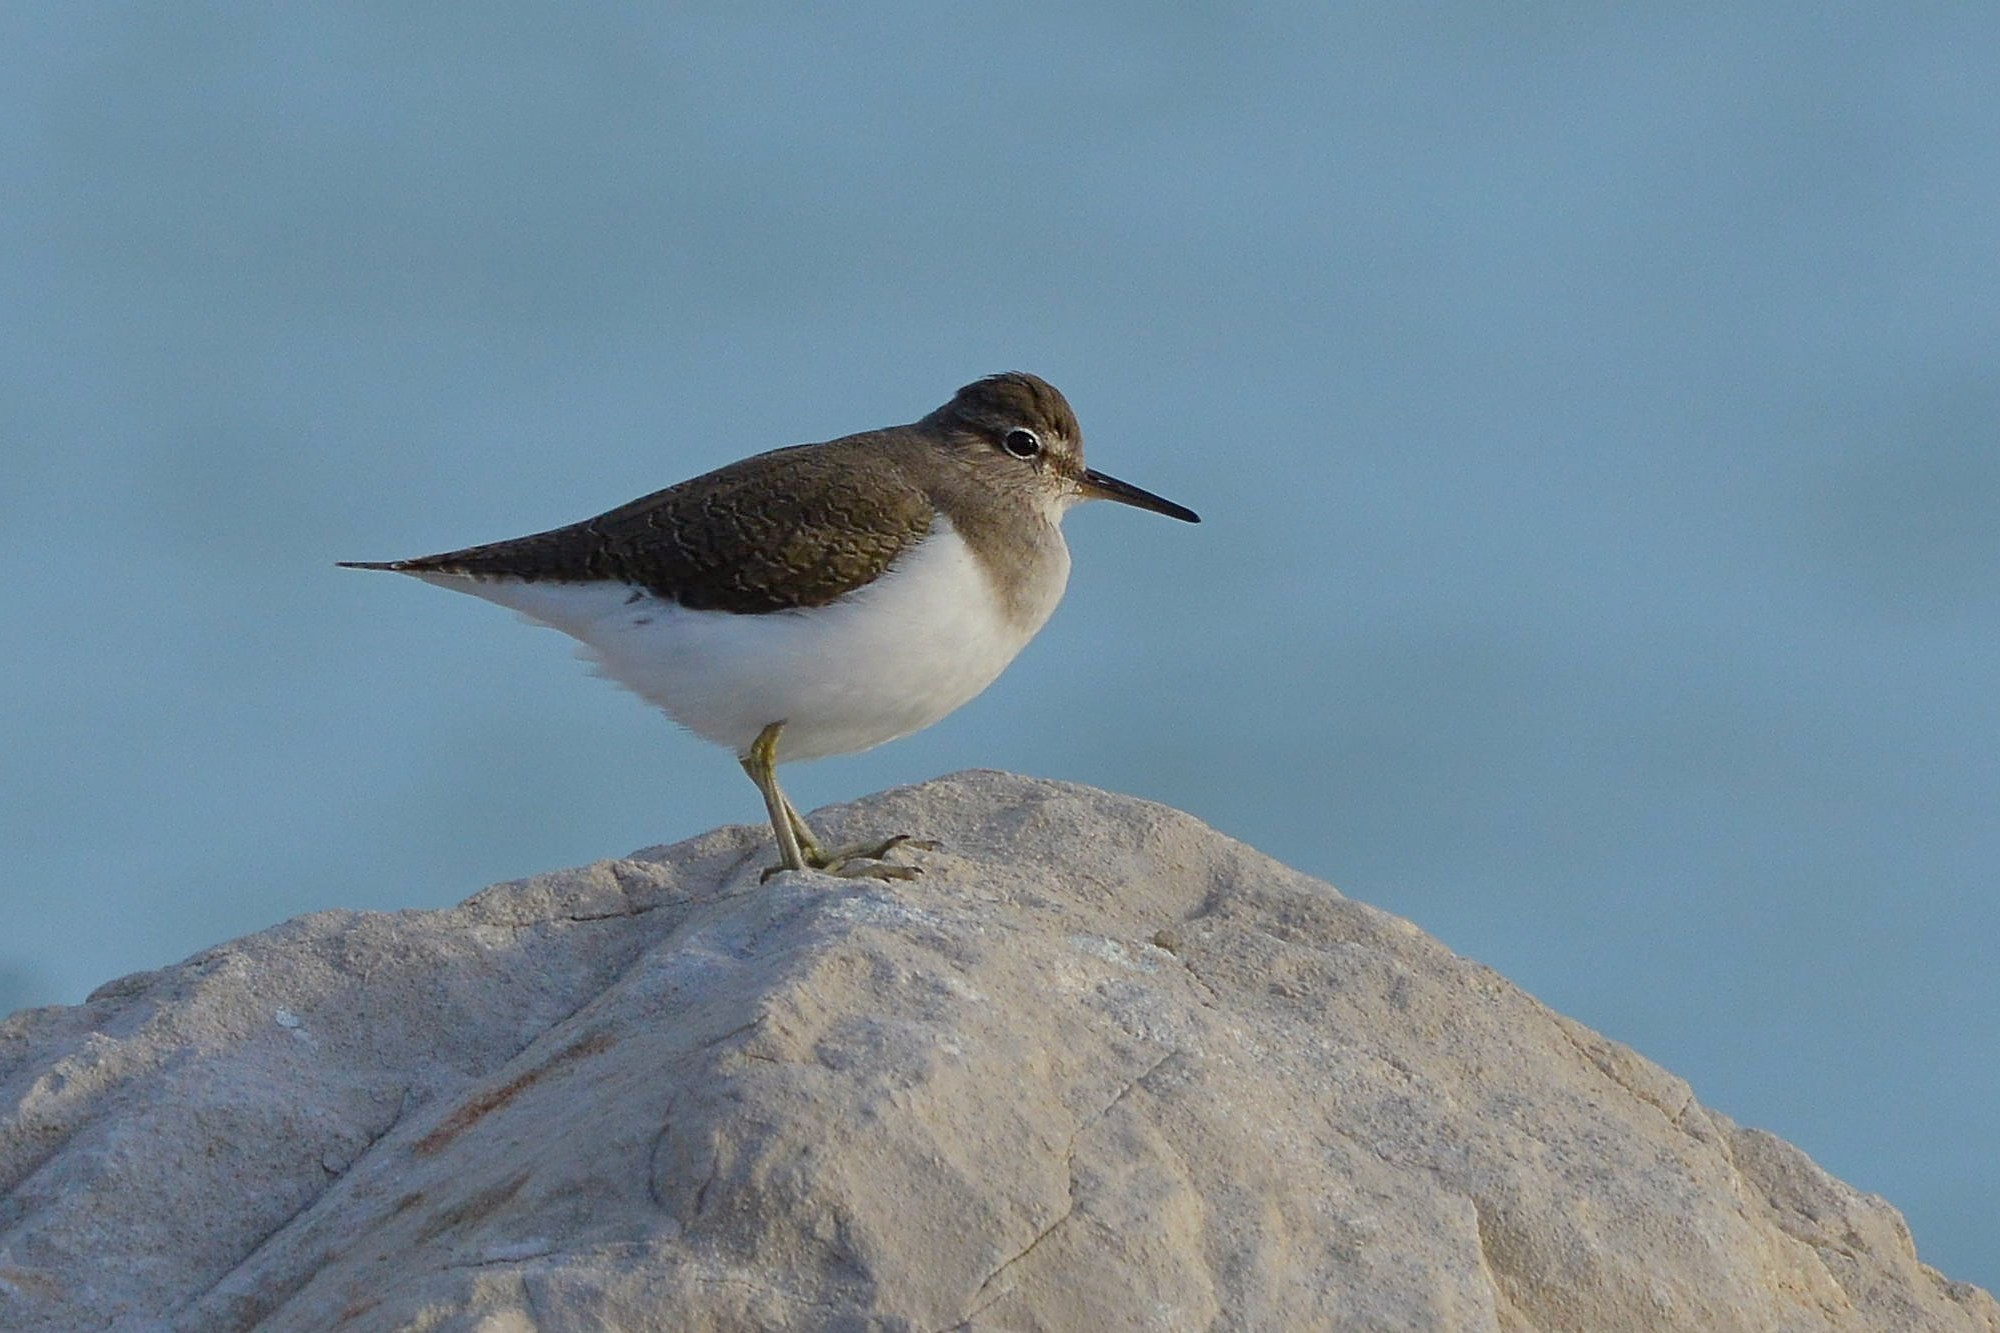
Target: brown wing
x: 795, y: 527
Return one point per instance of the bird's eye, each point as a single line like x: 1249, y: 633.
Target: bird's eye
x: 1021, y: 442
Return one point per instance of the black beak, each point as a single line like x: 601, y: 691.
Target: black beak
x: 1097, y: 486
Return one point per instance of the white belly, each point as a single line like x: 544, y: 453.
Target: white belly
x: 882, y: 662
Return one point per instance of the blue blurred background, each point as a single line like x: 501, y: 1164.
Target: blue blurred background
x: 1593, y: 409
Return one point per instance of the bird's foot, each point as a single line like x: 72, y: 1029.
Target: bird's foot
x: 863, y: 860
x: 870, y: 860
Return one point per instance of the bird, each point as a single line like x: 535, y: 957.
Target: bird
x: 819, y: 599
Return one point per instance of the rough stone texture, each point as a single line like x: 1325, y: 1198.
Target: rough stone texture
x: 1101, y: 1068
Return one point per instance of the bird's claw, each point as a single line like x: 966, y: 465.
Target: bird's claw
x: 862, y: 860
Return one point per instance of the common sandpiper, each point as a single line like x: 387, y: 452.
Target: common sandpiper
x: 824, y: 598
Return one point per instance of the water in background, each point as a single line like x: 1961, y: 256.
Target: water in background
x: 1593, y: 415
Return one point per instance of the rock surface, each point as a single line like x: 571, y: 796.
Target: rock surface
x: 1100, y: 1068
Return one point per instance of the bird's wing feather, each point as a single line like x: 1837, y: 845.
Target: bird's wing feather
x: 730, y: 540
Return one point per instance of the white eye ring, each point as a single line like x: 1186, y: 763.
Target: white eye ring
x: 1021, y: 442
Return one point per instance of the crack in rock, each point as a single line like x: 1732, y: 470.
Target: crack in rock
x: 1069, y: 1206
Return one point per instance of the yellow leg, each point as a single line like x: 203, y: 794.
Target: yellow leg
x: 761, y: 764
x: 798, y: 849
x: 807, y: 842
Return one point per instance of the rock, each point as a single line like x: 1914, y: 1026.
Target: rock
x: 1100, y: 1068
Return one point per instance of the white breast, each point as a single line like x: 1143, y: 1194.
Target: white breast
x: 884, y: 661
